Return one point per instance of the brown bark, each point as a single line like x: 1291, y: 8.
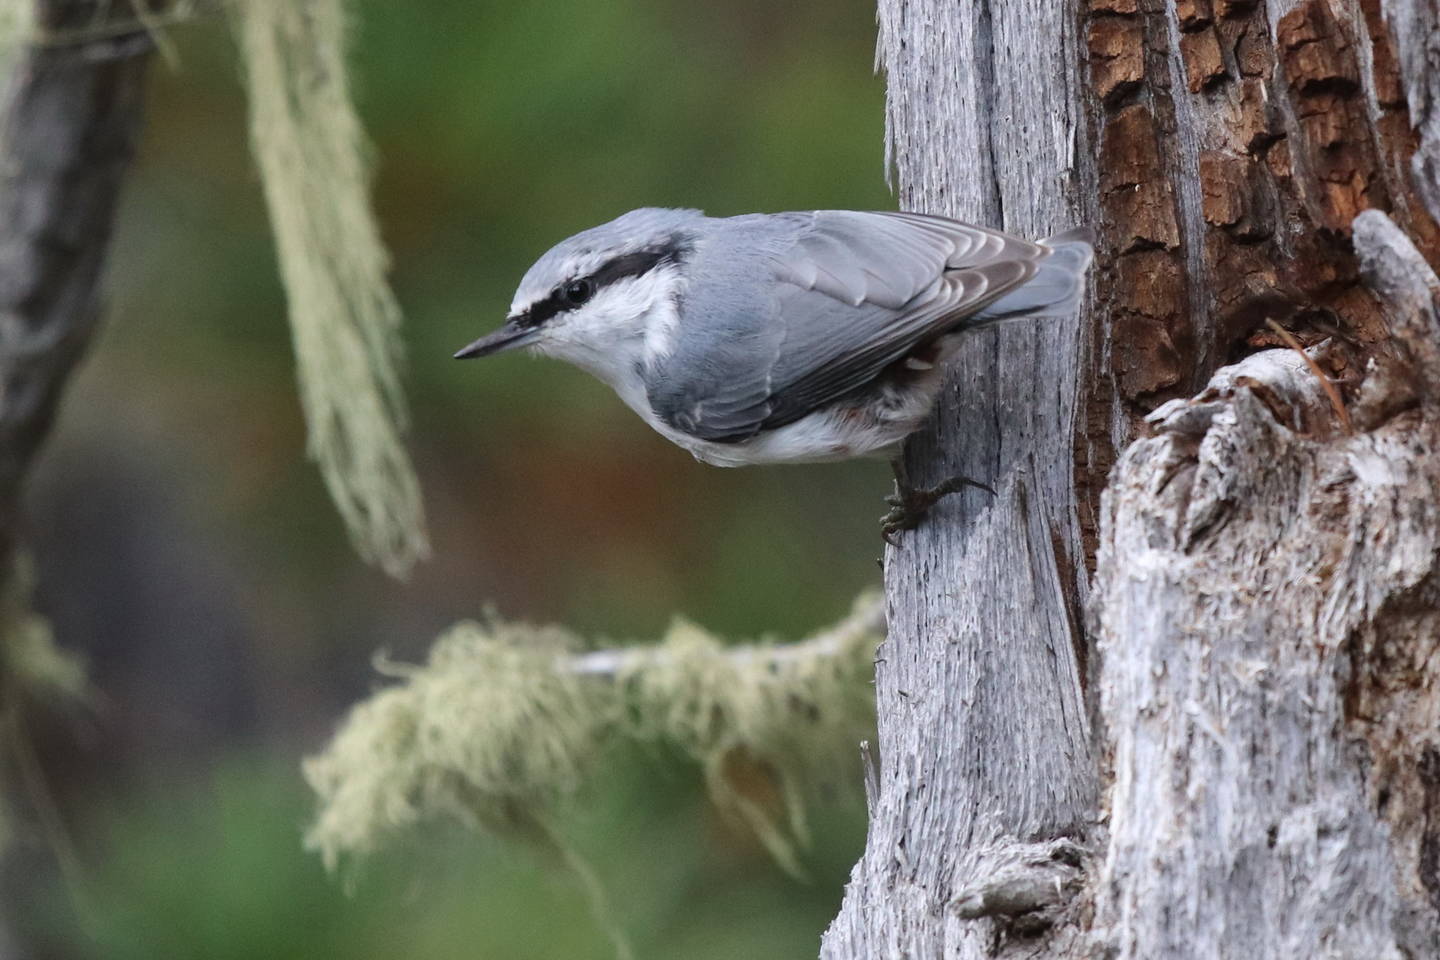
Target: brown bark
x: 1235, y: 144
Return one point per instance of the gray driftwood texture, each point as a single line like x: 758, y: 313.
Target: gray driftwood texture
x: 984, y: 745
x: 1259, y: 571
x: 1253, y: 607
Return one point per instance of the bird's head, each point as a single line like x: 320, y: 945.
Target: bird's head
x: 594, y: 298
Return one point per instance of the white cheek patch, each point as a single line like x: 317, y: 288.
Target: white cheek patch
x: 663, y: 324
x: 660, y: 331
x: 630, y: 321
x: 635, y: 312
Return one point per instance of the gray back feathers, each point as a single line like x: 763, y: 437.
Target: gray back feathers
x: 783, y: 314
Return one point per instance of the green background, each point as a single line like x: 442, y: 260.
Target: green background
x: 187, y: 547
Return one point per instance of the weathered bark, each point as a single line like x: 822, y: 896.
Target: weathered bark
x: 1261, y: 652
x: 984, y: 745
x: 1267, y: 620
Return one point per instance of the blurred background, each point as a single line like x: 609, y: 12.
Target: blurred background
x: 188, y: 549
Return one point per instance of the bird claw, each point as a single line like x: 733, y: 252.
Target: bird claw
x: 909, y: 506
x: 896, y: 520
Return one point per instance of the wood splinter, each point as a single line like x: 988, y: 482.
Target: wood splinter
x: 1027, y: 878
x: 1326, y: 383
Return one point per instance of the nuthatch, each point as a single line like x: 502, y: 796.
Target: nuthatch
x: 785, y: 337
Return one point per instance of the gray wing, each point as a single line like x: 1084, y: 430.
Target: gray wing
x: 835, y: 297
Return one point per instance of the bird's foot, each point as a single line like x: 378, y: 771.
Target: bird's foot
x: 909, y: 505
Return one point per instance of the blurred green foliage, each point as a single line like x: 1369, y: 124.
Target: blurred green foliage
x: 214, y: 871
x: 185, y: 542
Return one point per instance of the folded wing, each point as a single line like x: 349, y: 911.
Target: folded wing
x: 846, y: 295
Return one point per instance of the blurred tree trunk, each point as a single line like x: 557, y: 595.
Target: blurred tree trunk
x: 1193, y: 713
x: 72, y: 115
x: 71, y: 119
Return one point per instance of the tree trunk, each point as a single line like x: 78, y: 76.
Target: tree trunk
x: 1253, y: 769
x: 71, y: 119
x: 70, y: 123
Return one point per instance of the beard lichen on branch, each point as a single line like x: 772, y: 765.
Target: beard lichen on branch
x: 504, y: 722
x: 310, y: 148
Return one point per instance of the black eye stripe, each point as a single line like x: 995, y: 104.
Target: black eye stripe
x: 624, y: 267
x: 631, y: 265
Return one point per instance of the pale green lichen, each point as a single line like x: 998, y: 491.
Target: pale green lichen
x: 503, y: 722
x: 310, y: 148
x: 489, y: 730
x: 32, y: 664
x: 16, y: 20
x: 36, y: 664
x: 16, y: 26
x: 795, y: 714
x: 33, y: 669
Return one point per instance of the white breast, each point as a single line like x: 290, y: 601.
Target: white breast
x: 872, y: 429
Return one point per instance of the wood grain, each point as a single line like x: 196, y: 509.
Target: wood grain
x: 984, y: 744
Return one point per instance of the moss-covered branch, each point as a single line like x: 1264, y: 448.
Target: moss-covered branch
x: 505, y: 721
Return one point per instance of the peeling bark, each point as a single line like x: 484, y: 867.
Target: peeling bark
x: 1414, y: 27
x: 1260, y: 773
x: 1251, y: 553
x: 1227, y: 186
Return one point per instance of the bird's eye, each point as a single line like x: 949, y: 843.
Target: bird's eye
x: 578, y: 291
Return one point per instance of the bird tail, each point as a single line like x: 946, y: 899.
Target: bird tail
x: 1057, y: 286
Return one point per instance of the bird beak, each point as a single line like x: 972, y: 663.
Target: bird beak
x: 512, y: 334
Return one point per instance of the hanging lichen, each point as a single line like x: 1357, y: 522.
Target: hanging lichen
x: 16, y: 17
x: 31, y: 663
x: 309, y: 147
x: 16, y: 25
x: 504, y: 721
x: 790, y: 715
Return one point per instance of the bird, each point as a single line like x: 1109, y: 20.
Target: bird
x: 785, y: 337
